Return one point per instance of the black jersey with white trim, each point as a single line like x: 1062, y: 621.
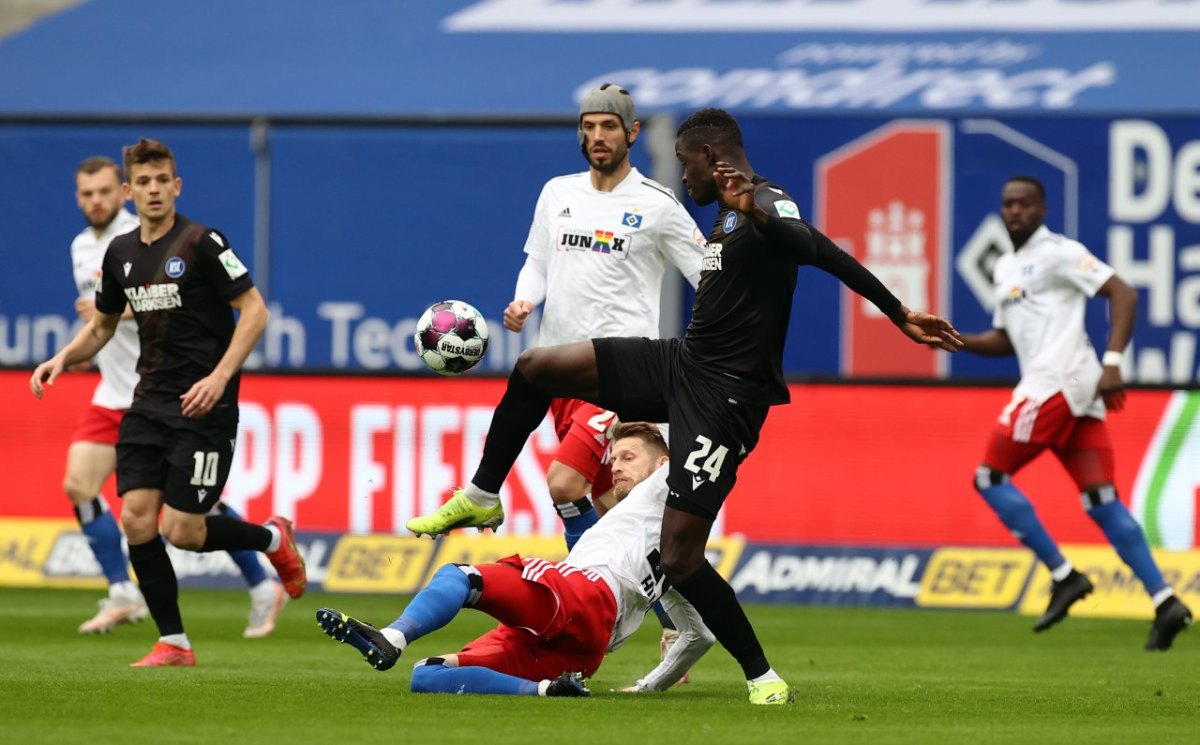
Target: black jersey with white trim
x: 180, y: 287
x: 744, y: 301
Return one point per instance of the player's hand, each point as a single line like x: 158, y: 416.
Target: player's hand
x: 516, y: 313
x: 203, y: 396
x: 1112, y: 389
x: 925, y: 328
x: 735, y: 187
x: 45, y: 374
x: 85, y: 308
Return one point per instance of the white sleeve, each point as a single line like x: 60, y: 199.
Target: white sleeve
x: 538, y: 242
x: 694, y: 640
x: 1081, y: 269
x: 682, y: 243
x: 531, y: 282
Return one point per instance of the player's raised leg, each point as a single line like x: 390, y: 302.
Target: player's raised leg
x: 566, y: 371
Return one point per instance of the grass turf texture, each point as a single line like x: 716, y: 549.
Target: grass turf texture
x: 862, y: 675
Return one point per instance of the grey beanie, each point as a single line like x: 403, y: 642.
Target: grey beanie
x: 610, y: 98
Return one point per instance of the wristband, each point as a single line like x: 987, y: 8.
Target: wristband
x: 1112, y: 358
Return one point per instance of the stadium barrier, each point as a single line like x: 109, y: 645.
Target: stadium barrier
x: 856, y: 494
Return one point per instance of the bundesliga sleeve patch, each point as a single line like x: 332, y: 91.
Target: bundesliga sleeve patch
x: 233, y: 267
x: 787, y: 209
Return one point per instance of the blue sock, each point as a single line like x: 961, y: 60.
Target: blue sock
x: 577, y: 517
x: 1126, y: 536
x: 1017, y: 514
x: 663, y: 618
x: 436, y: 605
x: 434, y: 678
x: 104, y: 537
x: 247, y: 561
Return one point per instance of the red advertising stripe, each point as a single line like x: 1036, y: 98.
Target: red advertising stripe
x: 841, y: 465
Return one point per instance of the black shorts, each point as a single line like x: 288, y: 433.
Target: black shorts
x: 711, y: 434
x: 187, y: 459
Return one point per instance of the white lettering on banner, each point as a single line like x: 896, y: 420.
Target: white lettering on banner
x: 680, y: 16
x: 421, y: 471
x: 1147, y: 178
x: 35, y: 338
x: 875, y: 87
x: 767, y: 572
x: 282, y: 450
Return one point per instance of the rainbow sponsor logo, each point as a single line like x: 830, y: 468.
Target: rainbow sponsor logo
x: 378, y: 563
x: 975, y: 578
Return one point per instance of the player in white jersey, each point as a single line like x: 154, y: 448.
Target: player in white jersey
x: 91, y: 457
x: 597, y: 250
x: 1041, y: 290
x: 557, y: 620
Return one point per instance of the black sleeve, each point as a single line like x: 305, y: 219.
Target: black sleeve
x: 221, y: 266
x: 110, y: 298
x: 854, y: 275
x: 789, y: 233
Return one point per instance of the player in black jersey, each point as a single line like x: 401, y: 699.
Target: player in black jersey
x: 175, y: 444
x: 715, y: 385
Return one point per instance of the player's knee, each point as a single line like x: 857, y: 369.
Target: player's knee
x: 76, y: 490
x: 182, y: 535
x: 566, y: 488
x: 986, y: 477
x: 425, y: 674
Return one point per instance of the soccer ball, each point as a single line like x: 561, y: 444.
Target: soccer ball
x: 451, y: 337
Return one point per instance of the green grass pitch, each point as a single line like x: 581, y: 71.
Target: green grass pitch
x: 862, y: 676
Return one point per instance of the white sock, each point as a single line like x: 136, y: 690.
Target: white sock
x: 263, y: 590
x: 479, y: 496
x: 124, y: 590
x: 178, y: 640
x: 276, y: 539
x: 394, y: 636
x: 767, y: 677
x: 542, y: 687
x: 1060, y: 573
x: 1162, y: 595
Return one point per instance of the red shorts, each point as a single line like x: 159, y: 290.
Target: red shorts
x: 553, y: 619
x: 1026, y: 428
x: 582, y: 431
x: 99, y: 425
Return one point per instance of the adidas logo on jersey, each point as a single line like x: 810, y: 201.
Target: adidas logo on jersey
x: 565, y: 213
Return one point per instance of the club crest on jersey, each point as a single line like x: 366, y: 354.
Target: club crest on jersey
x: 175, y: 267
x: 730, y: 223
x: 632, y: 220
x: 596, y: 241
x: 712, y: 258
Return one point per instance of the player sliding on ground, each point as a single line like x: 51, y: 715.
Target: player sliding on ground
x: 557, y: 621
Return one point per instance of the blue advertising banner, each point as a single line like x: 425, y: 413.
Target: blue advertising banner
x: 479, y: 57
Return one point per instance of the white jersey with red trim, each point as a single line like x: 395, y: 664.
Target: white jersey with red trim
x: 118, y: 359
x: 605, y: 254
x: 1041, y: 294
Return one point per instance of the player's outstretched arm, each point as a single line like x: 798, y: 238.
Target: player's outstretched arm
x: 90, y: 340
x: 694, y: 641
x: 993, y: 343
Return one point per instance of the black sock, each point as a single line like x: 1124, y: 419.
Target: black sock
x: 520, y: 411
x: 227, y: 534
x: 156, y: 578
x: 718, y: 605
